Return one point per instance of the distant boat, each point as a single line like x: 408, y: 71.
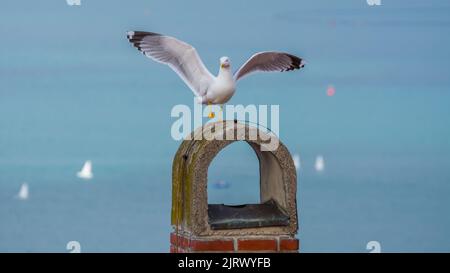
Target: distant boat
x: 296, y: 158
x: 23, y: 192
x: 221, y: 184
x: 320, y: 163
x: 86, y: 171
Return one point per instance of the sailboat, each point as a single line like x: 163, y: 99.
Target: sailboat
x: 320, y: 163
x: 86, y: 171
x: 296, y: 159
x: 23, y: 192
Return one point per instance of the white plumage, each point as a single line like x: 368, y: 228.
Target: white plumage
x: 185, y: 61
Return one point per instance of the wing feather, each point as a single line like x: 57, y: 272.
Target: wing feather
x: 269, y: 61
x: 178, y: 55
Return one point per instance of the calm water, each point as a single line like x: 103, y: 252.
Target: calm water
x: 72, y: 89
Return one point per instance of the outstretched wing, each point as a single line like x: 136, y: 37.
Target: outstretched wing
x: 180, y: 56
x: 269, y: 61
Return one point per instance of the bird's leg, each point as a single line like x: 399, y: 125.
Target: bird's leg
x: 211, y: 113
x: 221, y: 112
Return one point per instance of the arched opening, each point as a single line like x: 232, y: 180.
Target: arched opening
x: 258, y: 195
x: 203, y: 205
x: 233, y: 176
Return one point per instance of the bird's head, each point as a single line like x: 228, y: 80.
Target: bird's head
x: 224, y: 62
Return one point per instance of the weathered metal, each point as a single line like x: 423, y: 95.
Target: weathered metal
x: 268, y: 214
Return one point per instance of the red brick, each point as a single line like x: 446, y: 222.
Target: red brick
x: 184, y: 243
x: 173, y: 249
x: 289, y: 244
x: 178, y: 240
x: 257, y: 245
x: 211, y: 245
x: 173, y: 238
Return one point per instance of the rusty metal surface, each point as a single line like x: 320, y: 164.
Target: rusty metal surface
x: 246, y: 216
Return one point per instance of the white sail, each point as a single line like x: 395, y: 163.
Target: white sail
x: 296, y: 159
x: 86, y: 171
x: 23, y: 192
x: 320, y: 163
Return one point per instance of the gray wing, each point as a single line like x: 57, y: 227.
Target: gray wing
x: 269, y: 61
x: 180, y: 56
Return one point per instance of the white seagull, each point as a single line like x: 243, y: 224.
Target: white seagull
x: 185, y: 61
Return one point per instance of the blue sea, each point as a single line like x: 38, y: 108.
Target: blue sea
x: 73, y: 89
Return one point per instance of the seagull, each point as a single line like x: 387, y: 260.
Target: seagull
x: 185, y: 61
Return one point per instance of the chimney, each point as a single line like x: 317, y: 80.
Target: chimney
x: 269, y: 226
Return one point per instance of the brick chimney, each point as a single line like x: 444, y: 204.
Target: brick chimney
x: 269, y: 226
